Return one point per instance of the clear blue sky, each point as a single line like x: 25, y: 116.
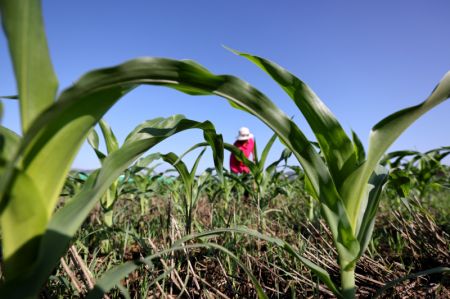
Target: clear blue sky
x: 365, y: 60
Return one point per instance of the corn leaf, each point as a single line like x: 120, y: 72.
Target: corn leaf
x: 25, y: 225
x: 37, y: 83
x: 9, y: 143
x: 182, y: 170
x: 266, y: 151
x: 370, y: 207
x: 93, y: 141
x: 64, y: 224
x: 383, y: 134
x: 334, y: 142
x: 110, y: 139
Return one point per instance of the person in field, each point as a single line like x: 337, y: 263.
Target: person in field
x: 246, y: 143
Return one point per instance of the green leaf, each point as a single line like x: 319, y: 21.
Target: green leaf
x: 93, y: 141
x: 359, y: 148
x: 266, y: 151
x: 9, y: 97
x: 334, y: 142
x: 111, y: 278
x: 326, y: 180
x: 9, y: 143
x: 110, y: 139
x: 65, y: 222
x: 217, y: 145
x: 181, y: 168
x: 37, y: 83
x: 383, y: 134
x: 23, y: 222
x: 195, y: 166
x: 397, y: 156
x: 370, y: 207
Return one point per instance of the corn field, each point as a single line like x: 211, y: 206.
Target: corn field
x: 348, y: 222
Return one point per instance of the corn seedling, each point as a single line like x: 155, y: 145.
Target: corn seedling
x: 143, y: 182
x: 423, y: 172
x: 191, y: 187
x: 264, y: 178
x: 110, y: 197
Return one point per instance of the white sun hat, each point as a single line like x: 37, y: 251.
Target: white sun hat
x: 244, y: 134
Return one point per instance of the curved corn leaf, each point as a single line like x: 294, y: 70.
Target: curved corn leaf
x: 181, y: 168
x: 383, y: 134
x: 9, y: 143
x: 110, y: 139
x: 265, y: 152
x: 359, y: 148
x: 60, y: 130
x: 334, y: 142
x: 65, y: 222
x: 93, y: 141
x: 9, y: 97
x: 195, y: 166
x: 82, y: 105
x: 397, y: 156
x: 217, y: 145
x: 24, y: 28
x: 192, y: 148
x: 336, y: 147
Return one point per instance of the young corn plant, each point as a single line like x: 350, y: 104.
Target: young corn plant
x: 347, y: 182
x: 143, y: 181
x: 191, y: 186
x: 111, y: 195
x: 423, y: 172
x: 264, y: 178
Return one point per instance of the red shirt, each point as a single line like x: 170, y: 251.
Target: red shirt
x: 245, y: 146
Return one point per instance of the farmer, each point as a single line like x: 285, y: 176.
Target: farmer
x: 246, y: 144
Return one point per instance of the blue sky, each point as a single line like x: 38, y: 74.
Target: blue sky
x: 365, y: 60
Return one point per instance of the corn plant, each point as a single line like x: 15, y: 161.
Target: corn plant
x: 348, y: 183
x: 110, y: 197
x: 143, y: 181
x: 422, y: 171
x: 264, y: 178
x: 191, y: 187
